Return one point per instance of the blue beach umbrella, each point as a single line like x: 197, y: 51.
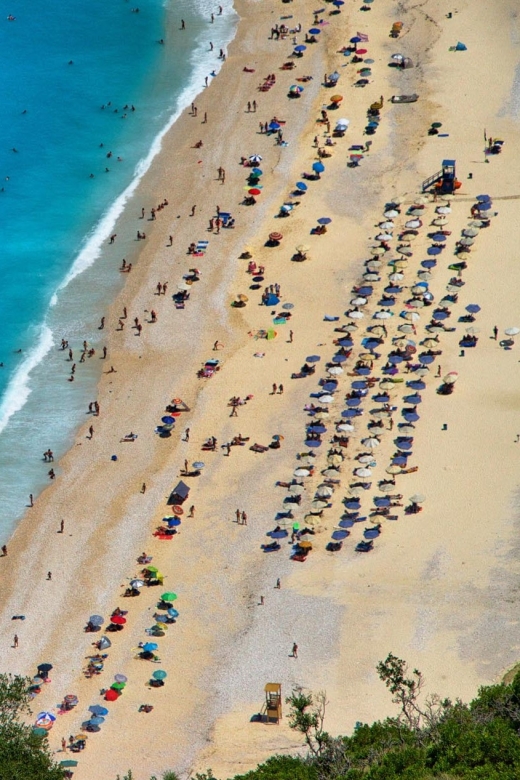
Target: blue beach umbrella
x: 381, y: 501
x: 167, y: 420
x: 318, y: 167
x: 346, y: 342
x: 355, y: 39
x: 483, y: 198
x: 198, y: 465
x: 256, y: 172
x: 339, y: 358
x: 426, y: 359
x: 473, y: 308
x: 173, y: 613
x: 359, y: 384
x: 429, y: 263
x: 351, y: 413
x: 365, y: 290
x: 338, y: 3
x: 97, y: 720
x: 416, y: 384
x: 440, y: 315
x: 338, y: 535
x: 299, y: 48
x: 363, y: 371
x: 313, y: 359
x: 434, y: 250
x: 313, y: 443
x: 314, y: 31
x: 411, y: 416
x: 413, y: 399
x: 149, y: 647
x: 353, y: 401
x: 438, y: 237
x: 274, y: 126
x: 173, y: 522
x: 485, y: 206
x: 97, y: 709
x: 346, y: 522
x: 300, y: 185
x: 324, y: 221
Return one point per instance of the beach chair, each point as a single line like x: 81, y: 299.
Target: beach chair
x: 200, y: 249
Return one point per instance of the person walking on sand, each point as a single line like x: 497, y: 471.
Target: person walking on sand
x: 187, y: 434
x: 495, y: 332
x: 191, y: 512
x: 238, y: 516
x: 254, y: 106
x: 91, y: 431
x: 49, y: 575
x: 15, y: 640
x: 280, y: 389
x: 275, y: 388
x: 4, y: 550
x: 31, y: 502
x: 62, y: 526
x: 244, y: 518
x: 193, y: 211
x: 63, y: 745
x: 183, y: 25
x: 278, y: 584
x: 295, y: 650
x: 143, y: 488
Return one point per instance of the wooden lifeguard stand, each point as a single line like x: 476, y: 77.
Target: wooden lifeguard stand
x: 273, y: 703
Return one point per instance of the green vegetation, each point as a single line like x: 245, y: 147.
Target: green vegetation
x: 429, y: 739
x: 23, y: 755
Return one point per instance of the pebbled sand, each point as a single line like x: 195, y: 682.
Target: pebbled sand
x: 439, y: 588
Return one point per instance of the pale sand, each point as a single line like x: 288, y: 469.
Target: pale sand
x: 439, y: 588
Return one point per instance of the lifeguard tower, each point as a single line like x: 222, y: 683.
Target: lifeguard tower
x: 272, y: 711
x: 445, y: 181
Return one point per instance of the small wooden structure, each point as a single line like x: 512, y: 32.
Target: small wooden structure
x: 273, y: 703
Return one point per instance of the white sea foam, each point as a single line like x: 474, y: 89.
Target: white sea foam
x: 18, y: 389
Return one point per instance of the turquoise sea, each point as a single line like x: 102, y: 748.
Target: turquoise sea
x: 61, y: 63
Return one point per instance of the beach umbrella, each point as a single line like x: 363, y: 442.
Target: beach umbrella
x: 396, y: 277
x: 377, y: 251
x: 391, y: 213
x: 371, y: 442
x: 319, y: 504
x: 387, y: 487
x: 97, y: 709
x: 363, y: 472
x: 443, y: 210
x: 275, y: 237
x: 326, y: 399
x: 335, y: 459
x: 512, y: 331
x: 149, y: 647
x: 386, y: 225
x: 118, y: 686
x: 470, y: 232
x: 169, y: 596
x: 296, y: 490
x: 255, y: 191
x: 404, y: 250
x: 336, y: 99
x: 301, y: 472
x: 450, y: 378
x: 255, y: 158
x: 300, y: 185
x: 96, y: 620
x: 97, y: 720
x: 405, y: 328
x: 345, y: 428
x: 384, y: 237
x: 473, y: 308
x: 300, y: 48
x: 413, y: 316
x: 413, y: 223
x: 173, y: 612
x: 160, y: 674
x: 371, y: 277
x: 418, y: 498
x: 359, y: 301
x: 484, y: 206
x: 415, y: 212
x: 324, y: 220
x: 323, y: 415
x: 331, y: 473
x: 324, y: 491
x: 111, y: 695
x: 68, y: 762
x: 382, y: 315
x: 314, y: 31
x: 256, y: 172
x: 302, y: 248
x: 466, y: 241
x: 374, y: 264
x: 425, y: 276
x: 439, y: 221
x: 335, y: 370
x: 416, y: 303
x: 318, y: 167
x: 136, y: 584
x: 118, y: 620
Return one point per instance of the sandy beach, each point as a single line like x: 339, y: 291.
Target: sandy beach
x: 439, y: 587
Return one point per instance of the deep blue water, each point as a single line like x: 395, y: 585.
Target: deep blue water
x: 54, y: 216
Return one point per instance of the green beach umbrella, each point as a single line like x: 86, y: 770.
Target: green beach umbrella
x: 39, y: 732
x: 68, y: 762
x: 159, y: 675
x: 152, y: 569
x: 118, y: 686
x: 169, y: 596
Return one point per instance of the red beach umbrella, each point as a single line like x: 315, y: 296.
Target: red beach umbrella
x: 111, y: 695
x: 361, y: 51
x: 275, y: 236
x: 255, y: 191
x: 119, y: 620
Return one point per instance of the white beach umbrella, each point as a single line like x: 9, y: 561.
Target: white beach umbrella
x: 393, y: 469
x: 384, y: 237
x: 359, y: 301
x: 301, y: 472
x: 381, y: 414
x: 418, y: 498
x: 375, y: 264
x: 387, y: 384
x: 413, y: 316
x: 331, y: 473
x: 363, y: 472
x: 467, y: 241
x: 324, y: 491
x: 425, y: 276
x: 391, y: 214
x: 512, y: 331
x: 396, y: 277
x: 335, y: 370
x: 371, y: 442
x: 319, y: 505
x: 382, y: 315
x: 326, y: 399
x: 387, y: 487
x: 377, y: 250
x: 439, y: 221
x: 407, y: 430
x: 371, y: 277
x: 355, y: 490
x: 387, y: 225
x: 367, y: 460
x: 424, y: 371
x: 345, y: 428
x: 355, y: 315
x: 470, y: 232
x: 416, y: 303
x: 413, y: 223
x: 443, y: 210
x: 404, y: 250
x: 296, y: 490
x: 335, y: 459
x: 405, y: 328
